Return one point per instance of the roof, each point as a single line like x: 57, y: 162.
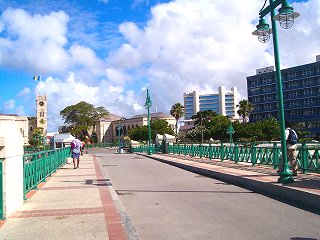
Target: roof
x: 111, y: 117
x: 186, y: 128
x: 63, y: 137
x: 154, y: 115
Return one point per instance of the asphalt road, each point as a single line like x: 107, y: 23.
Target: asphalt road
x: 165, y: 202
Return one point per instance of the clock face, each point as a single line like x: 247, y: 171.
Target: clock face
x: 41, y: 103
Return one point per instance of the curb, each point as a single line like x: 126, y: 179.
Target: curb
x: 301, y: 199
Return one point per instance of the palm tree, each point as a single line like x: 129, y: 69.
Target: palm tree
x: 245, y: 108
x: 177, y: 111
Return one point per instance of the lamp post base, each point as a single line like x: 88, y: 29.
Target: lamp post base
x: 285, y: 178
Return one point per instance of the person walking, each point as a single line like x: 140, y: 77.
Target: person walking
x: 291, y: 142
x: 75, y: 151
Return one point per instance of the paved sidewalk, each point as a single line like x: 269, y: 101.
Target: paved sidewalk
x: 72, y: 204
x: 303, y: 193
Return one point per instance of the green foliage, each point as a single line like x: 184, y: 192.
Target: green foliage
x: 38, y: 138
x: 177, y: 111
x: 156, y: 127
x: 139, y: 133
x: 266, y: 130
x: 218, y: 128
x: 161, y: 127
x: 81, y: 116
x: 203, y: 116
x: 245, y: 108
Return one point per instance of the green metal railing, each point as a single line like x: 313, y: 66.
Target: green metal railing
x: 308, y: 154
x: 145, y: 148
x: 38, y: 166
x: 1, y: 191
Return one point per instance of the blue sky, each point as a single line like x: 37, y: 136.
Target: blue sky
x: 108, y: 52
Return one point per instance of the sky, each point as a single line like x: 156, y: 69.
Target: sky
x: 108, y: 52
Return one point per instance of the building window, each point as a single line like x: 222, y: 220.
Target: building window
x: 268, y: 106
x: 308, y: 91
x: 293, y: 113
x: 309, y: 111
x: 306, y: 82
x: 308, y: 101
x: 292, y: 84
x: 292, y: 94
x: 294, y: 103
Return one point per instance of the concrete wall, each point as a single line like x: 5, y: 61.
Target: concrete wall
x: 11, y: 154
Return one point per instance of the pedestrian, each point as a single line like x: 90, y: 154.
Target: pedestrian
x: 82, y: 147
x: 75, y: 151
x: 291, y: 144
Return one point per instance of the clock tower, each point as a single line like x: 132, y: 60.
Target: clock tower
x: 42, y: 118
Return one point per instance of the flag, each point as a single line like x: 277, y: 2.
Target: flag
x: 37, y: 78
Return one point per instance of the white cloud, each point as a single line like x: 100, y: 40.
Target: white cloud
x: 186, y: 45
x: 25, y: 92
x: 35, y: 42
x: 9, y: 105
x: 87, y: 59
x: 200, y: 45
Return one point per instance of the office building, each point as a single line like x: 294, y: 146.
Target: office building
x: 301, y: 95
x: 224, y: 102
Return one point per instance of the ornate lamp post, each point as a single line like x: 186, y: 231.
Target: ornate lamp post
x: 201, y: 127
x: 119, y: 127
x: 286, y: 18
x: 148, y: 104
x: 230, y: 131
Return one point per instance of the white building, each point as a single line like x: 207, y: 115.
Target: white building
x: 224, y: 102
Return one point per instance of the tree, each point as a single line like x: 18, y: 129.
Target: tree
x: 177, y: 111
x: 245, y: 108
x: 202, y: 117
x: 158, y: 126
x: 37, y: 140
x: 139, y: 133
x: 82, y: 116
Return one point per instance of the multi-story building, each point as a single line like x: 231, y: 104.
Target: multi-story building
x: 301, y: 95
x: 224, y: 103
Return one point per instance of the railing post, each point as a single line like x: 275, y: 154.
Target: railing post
x: 201, y: 150
x: 253, y: 154
x: 222, y: 151
x: 236, y: 153
x: 210, y: 151
x: 275, y: 159
x: 192, y: 150
x: 304, y: 157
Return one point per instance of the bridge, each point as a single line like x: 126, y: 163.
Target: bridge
x: 115, y: 196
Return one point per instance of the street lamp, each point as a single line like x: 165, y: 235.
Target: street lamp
x: 119, y: 132
x: 148, y: 104
x: 201, y: 127
x: 286, y: 18
x: 230, y: 131
x: 119, y: 128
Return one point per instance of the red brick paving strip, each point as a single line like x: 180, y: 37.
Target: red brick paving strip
x: 113, y: 221
x: 56, y: 212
